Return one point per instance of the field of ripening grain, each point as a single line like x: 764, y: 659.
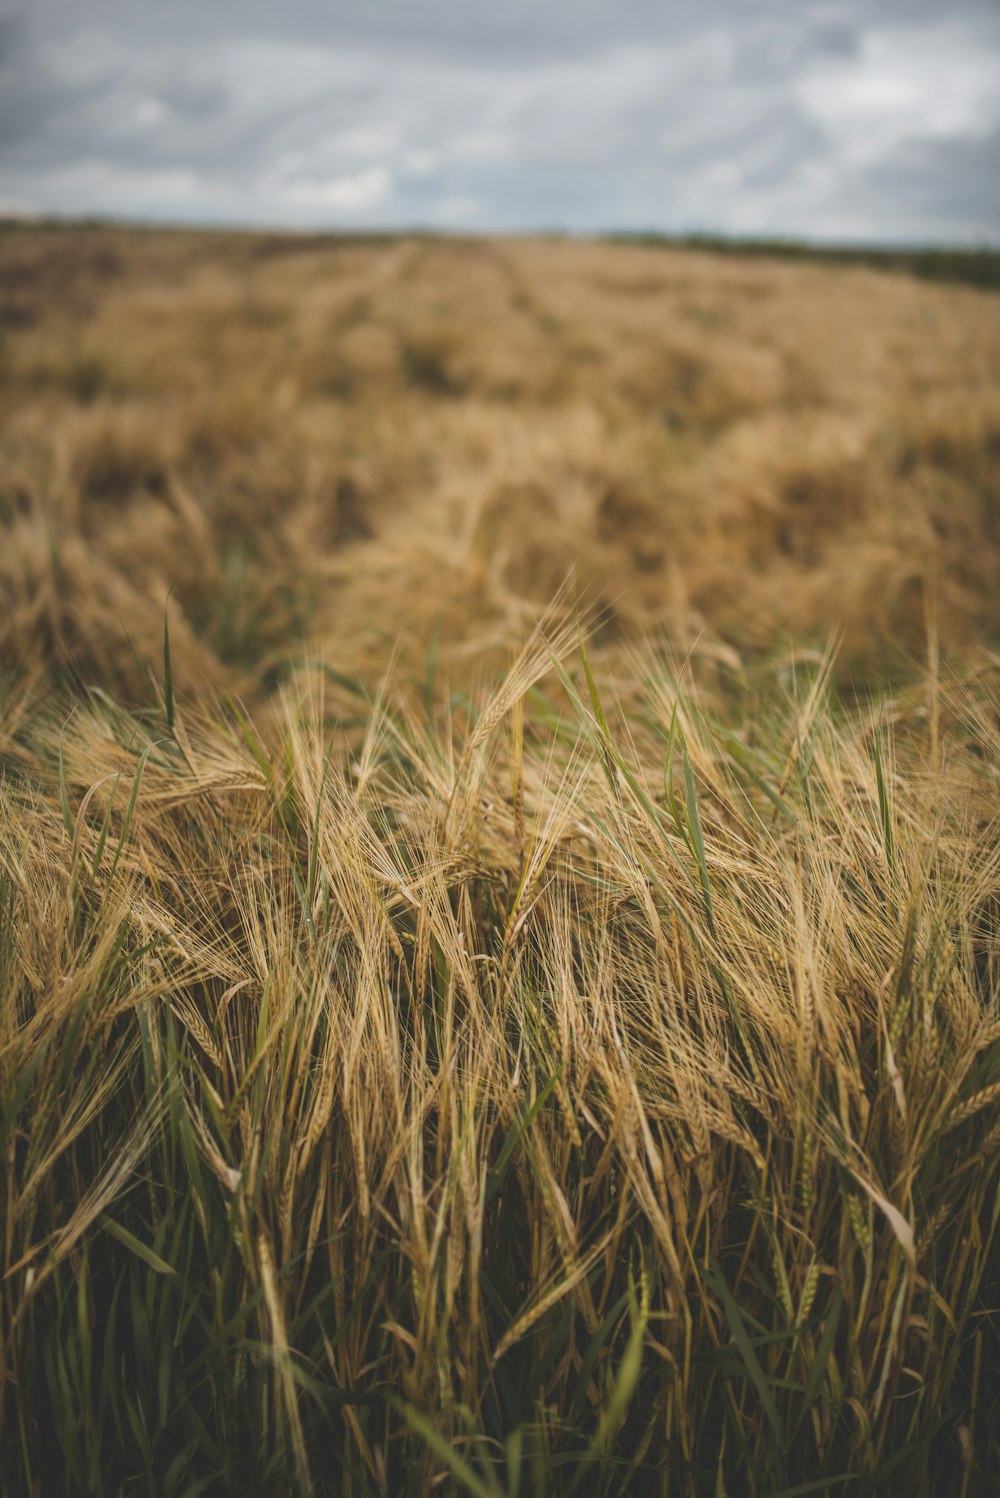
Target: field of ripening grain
x: 499, y: 871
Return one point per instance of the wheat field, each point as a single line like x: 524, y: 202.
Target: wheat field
x: 499, y: 870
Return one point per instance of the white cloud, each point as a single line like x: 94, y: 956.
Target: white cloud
x: 149, y: 112
x: 95, y: 186
x: 418, y: 161
x: 355, y: 193
x: 373, y: 138
x: 903, y: 85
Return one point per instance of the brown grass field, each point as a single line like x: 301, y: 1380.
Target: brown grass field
x: 499, y: 870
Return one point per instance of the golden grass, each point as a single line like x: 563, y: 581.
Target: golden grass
x: 430, y: 1058
x: 289, y: 434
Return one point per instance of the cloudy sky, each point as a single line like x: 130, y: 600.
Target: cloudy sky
x: 848, y: 120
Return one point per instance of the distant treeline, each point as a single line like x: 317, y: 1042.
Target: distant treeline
x: 979, y: 267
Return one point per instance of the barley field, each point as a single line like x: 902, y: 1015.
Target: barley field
x: 499, y: 870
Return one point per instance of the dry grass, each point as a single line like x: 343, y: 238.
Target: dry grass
x: 431, y: 1061
x: 365, y: 441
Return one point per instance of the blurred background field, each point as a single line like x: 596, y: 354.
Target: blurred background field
x: 379, y: 440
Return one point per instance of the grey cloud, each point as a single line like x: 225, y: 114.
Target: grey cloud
x: 517, y: 30
x: 946, y: 180
x: 825, y: 119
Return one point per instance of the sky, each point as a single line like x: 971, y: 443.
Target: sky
x: 853, y: 120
